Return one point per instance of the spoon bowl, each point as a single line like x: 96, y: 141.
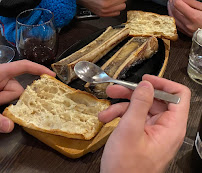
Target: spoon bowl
x: 91, y: 73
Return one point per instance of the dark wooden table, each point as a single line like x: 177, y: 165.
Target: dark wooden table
x: 22, y: 153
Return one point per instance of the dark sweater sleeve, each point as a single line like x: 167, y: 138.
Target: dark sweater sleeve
x: 11, y: 8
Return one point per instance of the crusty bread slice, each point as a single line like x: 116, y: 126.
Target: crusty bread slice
x: 151, y: 24
x: 50, y: 106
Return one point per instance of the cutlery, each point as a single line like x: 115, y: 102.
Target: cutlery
x: 91, y: 73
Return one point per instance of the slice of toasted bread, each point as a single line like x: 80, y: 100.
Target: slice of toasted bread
x: 50, y: 106
x: 151, y: 24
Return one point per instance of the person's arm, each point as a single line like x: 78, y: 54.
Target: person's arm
x: 104, y: 8
x: 187, y: 14
x: 150, y: 132
x: 10, y: 89
x: 10, y: 8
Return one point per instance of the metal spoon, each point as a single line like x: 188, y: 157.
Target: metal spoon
x: 91, y: 73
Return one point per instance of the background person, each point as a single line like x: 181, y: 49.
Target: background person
x: 63, y: 10
x: 104, y: 8
x: 187, y: 14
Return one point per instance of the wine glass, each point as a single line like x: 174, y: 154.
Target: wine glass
x: 36, y: 37
x: 6, y: 53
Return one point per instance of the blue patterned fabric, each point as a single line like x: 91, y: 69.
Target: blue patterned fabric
x: 63, y: 10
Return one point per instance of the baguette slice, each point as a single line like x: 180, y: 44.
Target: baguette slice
x: 151, y: 24
x: 50, y: 106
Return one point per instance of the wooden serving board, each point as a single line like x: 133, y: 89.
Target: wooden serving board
x: 75, y: 148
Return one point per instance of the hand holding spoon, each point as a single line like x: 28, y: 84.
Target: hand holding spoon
x: 91, y: 73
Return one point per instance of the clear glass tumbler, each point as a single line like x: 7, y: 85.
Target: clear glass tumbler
x: 194, y: 68
x: 36, y: 37
x: 6, y: 53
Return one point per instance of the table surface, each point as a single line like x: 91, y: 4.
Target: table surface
x: 20, y: 152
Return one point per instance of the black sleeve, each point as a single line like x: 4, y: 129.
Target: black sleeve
x: 11, y: 8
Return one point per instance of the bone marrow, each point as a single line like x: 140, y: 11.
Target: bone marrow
x: 91, y: 52
x: 137, y: 48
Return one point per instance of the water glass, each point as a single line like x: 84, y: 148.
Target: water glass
x: 36, y: 37
x: 194, y: 68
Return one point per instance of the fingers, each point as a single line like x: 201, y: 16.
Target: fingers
x: 187, y: 17
x: 16, y: 68
x: 141, y: 102
x: 194, y: 4
x: 158, y: 107
x: 6, y: 125
x: 114, y: 111
x: 181, y: 110
x: 118, y: 91
x: 179, y: 19
x: 185, y: 24
x: 118, y: 109
x: 112, y: 11
x: 104, y: 8
x: 163, y: 84
x: 191, y: 16
x: 185, y: 8
x: 11, y: 91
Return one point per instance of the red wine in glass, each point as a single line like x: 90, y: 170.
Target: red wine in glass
x: 36, y: 37
x: 39, y: 51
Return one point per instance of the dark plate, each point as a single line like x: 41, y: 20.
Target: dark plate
x: 150, y: 66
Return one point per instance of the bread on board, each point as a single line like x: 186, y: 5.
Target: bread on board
x: 142, y: 23
x: 50, y: 106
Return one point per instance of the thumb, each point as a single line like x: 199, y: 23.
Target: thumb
x: 141, y: 102
x: 6, y: 125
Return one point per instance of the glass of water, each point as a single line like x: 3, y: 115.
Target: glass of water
x: 194, y: 68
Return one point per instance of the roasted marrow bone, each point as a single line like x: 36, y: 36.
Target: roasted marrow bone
x: 137, y: 48
x: 91, y: 52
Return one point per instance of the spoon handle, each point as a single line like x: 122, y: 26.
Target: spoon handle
x: 157, y: 93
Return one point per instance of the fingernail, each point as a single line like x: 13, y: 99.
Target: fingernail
x: 4, y: 125
x: 144, y: 84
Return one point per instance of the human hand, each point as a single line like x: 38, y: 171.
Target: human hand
x: 104, y: 8
x: 150, y: 132
x: 187, y: 14
x: 10, y: 89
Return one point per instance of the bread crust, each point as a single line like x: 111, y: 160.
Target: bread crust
x: 60, y: 132
x: 8, y: 114
x: 130, y: 15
